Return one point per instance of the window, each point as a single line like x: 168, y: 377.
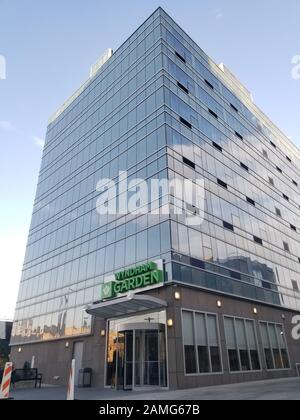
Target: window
x: 278, y: 169
x: 222, y: 183
x: 274, y: 344
x: 201, y: 343
x: 185, y: 122
x: 258, y: 240
x: 250, y: 201
x: 244, y: 166
x: 295, y: 183
x: 189, y: 342
x: 180, y: 57
x: 213, y: 343
x: 241, y: 344
x: 278, y: 212
x: 235, y: 275
x: 273, y: 144
x: 212, y: 113
x: 289, y: 159
x: 228, y: 226
x: 286, y: 247
x: 295, y: 286
x: 285, y: 197
x: 202, y: 347
x: 216, y: 146
x: 183, y: 87
x: 239, y: 135
x: 293, y: 227
x: 188, y: 162
x: 231, y: 343
x: 233, y: 107
x: 271, y: 181
x: 209, y: 84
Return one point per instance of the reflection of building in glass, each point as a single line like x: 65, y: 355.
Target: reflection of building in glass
x: 160, y: 108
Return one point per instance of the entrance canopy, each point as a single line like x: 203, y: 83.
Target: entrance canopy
x: 127, y: 305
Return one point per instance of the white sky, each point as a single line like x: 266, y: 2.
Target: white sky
x: 12, y: 251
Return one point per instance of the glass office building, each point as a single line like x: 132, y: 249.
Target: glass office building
x: 147, y: 299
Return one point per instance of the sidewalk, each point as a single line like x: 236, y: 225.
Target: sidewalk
x: 280, y: 389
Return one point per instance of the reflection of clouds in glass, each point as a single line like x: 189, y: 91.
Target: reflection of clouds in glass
x: 2, y: 67
x: 219, y: 13
x: 296, y: 67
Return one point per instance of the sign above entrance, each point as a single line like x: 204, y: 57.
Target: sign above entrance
x: 140, y: 277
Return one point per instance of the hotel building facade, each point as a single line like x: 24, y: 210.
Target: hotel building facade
x: 148, y: 300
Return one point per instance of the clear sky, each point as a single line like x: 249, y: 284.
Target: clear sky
x: 49, y: 46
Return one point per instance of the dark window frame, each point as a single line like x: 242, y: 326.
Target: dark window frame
x: 209, y: 84
x: 234, y: 108
x: 258, y: 240
x: 250, y: 201
x: 182, y: 87
x: 228, y: 226
x: 217, y: 146
x: 243, y: 166
x: 185, y: 122
x: 188, y: 162
x: 180, y: 57
x: 286, y: 197
x: 239, y: 135
x: 213, y: 114
x: 222, y: 183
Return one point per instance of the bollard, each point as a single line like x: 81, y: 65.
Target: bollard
x: 5, y: 386
x: 71, y: 382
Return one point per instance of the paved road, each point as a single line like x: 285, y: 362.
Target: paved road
x: 282, y: 389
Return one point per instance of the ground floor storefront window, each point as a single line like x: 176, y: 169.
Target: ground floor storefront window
x: 274, y: 344
x: 242, y: 345
x: 201, y: 343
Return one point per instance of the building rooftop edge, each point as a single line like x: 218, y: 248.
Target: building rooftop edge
x: 220, y: 68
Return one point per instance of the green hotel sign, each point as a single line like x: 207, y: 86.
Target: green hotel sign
x: 135, y: 278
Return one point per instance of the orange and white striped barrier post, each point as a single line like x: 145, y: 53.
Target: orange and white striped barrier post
x: 71, y: 382
x: 5, y: 385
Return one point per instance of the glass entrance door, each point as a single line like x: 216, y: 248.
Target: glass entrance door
x: 128, y: 361
x: 136, y: 353
x: 147, y: 358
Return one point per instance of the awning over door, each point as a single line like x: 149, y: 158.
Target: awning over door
x: 125, y: 306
